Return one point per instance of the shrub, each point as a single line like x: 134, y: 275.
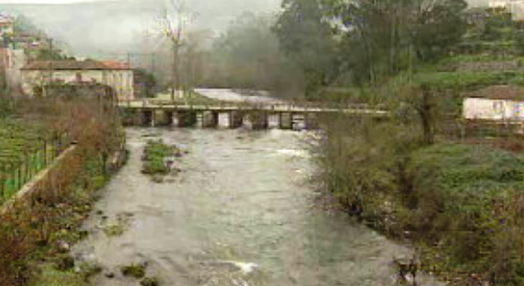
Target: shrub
x: 135, y: 270
x: 155, y: 154
x: 463, y: 195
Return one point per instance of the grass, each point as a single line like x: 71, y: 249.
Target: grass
x: 482, y: 58
x: 137, y: 271
x: 467, y: 210
x: 52, y: 277
x: 467, y: 168
x: 465, y: 81
x: 116, y: 228
x: 155, y: 154
x: 150, y: 281
x: 21, y: 142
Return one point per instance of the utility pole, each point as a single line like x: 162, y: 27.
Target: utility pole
x: 50, y: 68
x: 153, y: 63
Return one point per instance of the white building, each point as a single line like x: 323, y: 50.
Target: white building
x: 515, y: 7
x: 503, y: 103
x: 7, y: 24
x: 118, y: 76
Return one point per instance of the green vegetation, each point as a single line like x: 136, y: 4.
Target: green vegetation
x: 460, y: 204
x: 117, y: 227
x: 155, y: 155
x: 150, y: 281
x: 53, y: 277
x: 26, y: 147
x: 114, y: 229
x: 34, y: 240
x: 137, y: 271
x: 464, y: 81
x: 464, y: 197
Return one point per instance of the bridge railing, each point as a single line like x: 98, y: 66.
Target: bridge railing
x: 280, y: 106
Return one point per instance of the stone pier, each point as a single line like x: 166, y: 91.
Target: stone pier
x: 185, y: 118
x: 163, y: 118
x: 147, y: 118
x: 285, y: 120
x: 259, y: 120
x: 311, y: 121
x: 236, y: 119
x: 210, y: 119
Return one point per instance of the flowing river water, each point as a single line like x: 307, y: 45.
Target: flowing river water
x: 242, y: 212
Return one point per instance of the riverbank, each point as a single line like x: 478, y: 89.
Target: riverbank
x: 37, y: 231
x: 460, y: 205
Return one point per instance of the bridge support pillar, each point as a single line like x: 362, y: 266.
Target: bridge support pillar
x: 186, y: 118
x: 210, y: 119
x: 259, y: 120
x: 163, y: 118
x: 146, y: 118
x: 285, y: 120
x: 311, y: 121
x: 236, y: 119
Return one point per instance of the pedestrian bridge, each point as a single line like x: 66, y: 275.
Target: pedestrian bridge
x: 184, y: 114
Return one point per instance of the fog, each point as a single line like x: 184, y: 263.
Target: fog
x: 112, y: 28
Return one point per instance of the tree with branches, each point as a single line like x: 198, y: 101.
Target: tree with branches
x: 174, y: 24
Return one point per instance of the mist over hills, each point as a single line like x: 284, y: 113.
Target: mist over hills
x: 102, y: 28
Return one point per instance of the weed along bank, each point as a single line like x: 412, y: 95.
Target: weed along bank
x: 46, y: 201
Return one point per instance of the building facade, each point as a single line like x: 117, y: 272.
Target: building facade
x: 113, y: 74
x: 497, y: 103
x: 7, y: 25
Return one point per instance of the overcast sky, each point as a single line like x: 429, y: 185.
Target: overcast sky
x: 95, y: 27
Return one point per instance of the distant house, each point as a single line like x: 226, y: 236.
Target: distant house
x: 114, y: 74
x: 11, y: 62
x: 515, y: 7
x: 497, y: 103
x: 7, y: 25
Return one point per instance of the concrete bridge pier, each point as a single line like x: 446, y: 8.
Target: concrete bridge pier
x: 185, y: 118
x: 163, y: 118
x: 285, y: 120
x: 210, y: 119
x: 236, y: 119
x: 259, y: 120
x: 147, y: 118
x: 311, y: 121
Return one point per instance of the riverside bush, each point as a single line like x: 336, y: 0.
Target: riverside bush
x: 155, y: 154
x: 52, y: 216
x: 463, y: 205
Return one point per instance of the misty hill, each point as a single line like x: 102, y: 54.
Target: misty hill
x: 115, y: 27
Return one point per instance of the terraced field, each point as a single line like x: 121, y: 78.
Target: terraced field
x: 25, y: 149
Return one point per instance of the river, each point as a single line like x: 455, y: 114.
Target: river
x: 242, y: 212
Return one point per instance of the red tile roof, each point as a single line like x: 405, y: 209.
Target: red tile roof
x: 6, y: 20
x: 74, y: 65
x: 115, y: 65
x: 499, y: 92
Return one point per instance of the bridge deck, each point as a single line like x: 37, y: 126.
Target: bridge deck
x: 270, y: 108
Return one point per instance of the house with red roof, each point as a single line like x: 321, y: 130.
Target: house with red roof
x: 117, y: 75
x: 7, y: 24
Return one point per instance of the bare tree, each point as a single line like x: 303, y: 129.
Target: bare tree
x: 174, y: 25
